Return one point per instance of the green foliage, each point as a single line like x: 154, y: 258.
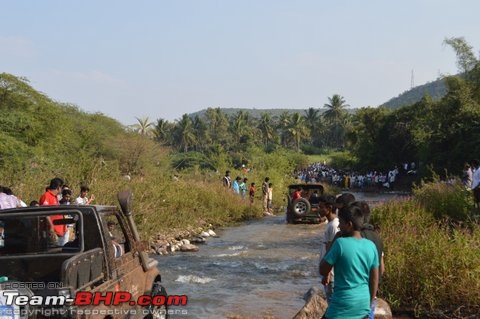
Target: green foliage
x: 344, y: 159
x: 452, y: 201
x: 430, y: 268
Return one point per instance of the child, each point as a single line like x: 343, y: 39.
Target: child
x: 356, y: 268
x: 66, y: 197
x: 251, y: 193
x: 328, y: 210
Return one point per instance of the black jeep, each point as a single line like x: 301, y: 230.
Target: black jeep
x: 305, y: 208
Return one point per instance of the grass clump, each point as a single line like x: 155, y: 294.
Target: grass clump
x: 432, y: 266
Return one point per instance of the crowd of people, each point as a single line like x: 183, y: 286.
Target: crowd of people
x: 320, y: 172
x: 56, y: 193
x: 239, y: 186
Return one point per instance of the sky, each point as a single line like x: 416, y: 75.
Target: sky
x: 162, y: 59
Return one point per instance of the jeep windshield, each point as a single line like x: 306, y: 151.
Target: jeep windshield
x: 46, y: 232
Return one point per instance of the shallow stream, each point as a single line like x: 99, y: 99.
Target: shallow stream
x: 259, y: 269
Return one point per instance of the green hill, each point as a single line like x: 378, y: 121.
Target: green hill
x: 436, y: 90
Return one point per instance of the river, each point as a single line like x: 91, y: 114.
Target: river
x: 260, y: 269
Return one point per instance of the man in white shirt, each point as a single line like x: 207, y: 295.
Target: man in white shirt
x: 83, y: 198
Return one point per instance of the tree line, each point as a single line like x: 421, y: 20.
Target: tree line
x: 442, y: 133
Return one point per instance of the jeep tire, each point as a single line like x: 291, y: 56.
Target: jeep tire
x: 158, y: 312
x: 301, y: 207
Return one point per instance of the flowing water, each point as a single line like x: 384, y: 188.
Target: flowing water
x: 259, y: 269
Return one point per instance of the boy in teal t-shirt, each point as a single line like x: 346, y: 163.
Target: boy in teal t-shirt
x: 356, y: 269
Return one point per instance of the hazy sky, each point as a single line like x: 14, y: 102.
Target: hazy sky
x: 162, y: 59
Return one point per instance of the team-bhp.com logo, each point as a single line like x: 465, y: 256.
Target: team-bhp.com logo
x: 86, y: 298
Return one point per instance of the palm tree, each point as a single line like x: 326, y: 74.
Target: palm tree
x: 265, y: 125
x: 162, y: 131
x: 144, y: 126
x: 184, y: 135
x: 283, y: 125
x: 200, y: 131
x: 297, y: 129
x: 335, y: 114
x: 312, y: 120
x: 217, y: 123
x: 239, y: 124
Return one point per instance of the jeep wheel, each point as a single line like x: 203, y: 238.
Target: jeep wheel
x: 301, y: 206
x: 158, y: 312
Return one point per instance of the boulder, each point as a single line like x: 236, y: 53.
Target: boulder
x: 211, y: 233
x: 315, y: 305
x: 185, y: 242
x: 382, y: 310
x: 188, y: 247
x: 204, y: 234
x: 197, y: 240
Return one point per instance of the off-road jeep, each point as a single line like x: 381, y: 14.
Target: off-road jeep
x: 305, y: 208
x: 104, y: 255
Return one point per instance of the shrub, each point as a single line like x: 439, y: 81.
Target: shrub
x: 445, y: 200
x: 430, y: 267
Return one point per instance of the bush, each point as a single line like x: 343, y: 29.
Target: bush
x: 444, y: 200
x: 430, y: 267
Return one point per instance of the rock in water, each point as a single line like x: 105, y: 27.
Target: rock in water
x: 315, y: 305
x: 382, y: 310
x: 212, y: 233
x: 188, y: 247
x: 204, y: 234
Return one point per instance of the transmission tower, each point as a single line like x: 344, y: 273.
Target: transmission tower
x: 412, y: 81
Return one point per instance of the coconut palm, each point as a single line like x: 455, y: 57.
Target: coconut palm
x: 265, y: 125
x: 144, y: 126
x: 283, y: 124
x: 335, y: 115
x: 239, y: 125
x: 298, y: 129
x: 162, y: 131
x: 312, y: 120
x: 184, y: 134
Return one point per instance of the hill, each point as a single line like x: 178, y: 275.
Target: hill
x: 256, y: 113
x: 436, y: 90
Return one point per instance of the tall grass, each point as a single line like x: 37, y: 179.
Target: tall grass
x: 431, y: 266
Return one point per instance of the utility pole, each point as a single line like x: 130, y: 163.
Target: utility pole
x: 412, y: 81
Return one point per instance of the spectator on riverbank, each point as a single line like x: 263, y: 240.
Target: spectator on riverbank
x: 328, y: 210
x: 356, y: 263
x: 227, y: 181
x: 251, y: 193
x: 7, y: 199
x: 66, y: 197
x: 467, y: 176
x: 83, y: 199
x: 243, y: 188
x: 265, y: 194
x: 476, y: 182
x: 236, y: 185
x: 368, y: 231
x: 270, y: 199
